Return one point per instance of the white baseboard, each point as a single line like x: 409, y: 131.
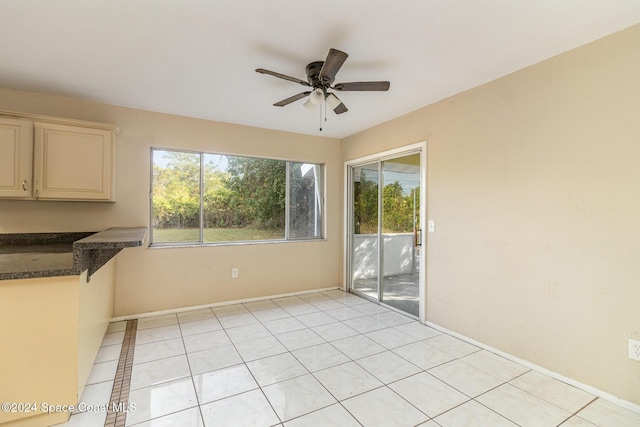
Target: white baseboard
x: 218, y: 304
x: 599, y: 393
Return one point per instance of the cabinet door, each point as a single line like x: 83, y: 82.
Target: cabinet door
x: 16, y: 147
x: 73, y: 163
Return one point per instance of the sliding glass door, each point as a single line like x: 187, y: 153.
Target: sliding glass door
x: 400, y: 233
x: 385, y: 231
x: 365, y: 230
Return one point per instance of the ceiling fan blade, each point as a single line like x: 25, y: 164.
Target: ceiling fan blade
x: 334, y: 102
x: 363, y: 86
x: 341, y: 108
x: 291, y: 99
x: 282, y: 76
x: 335, y: 59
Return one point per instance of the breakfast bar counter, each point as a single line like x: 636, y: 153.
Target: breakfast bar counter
x: 31, y: 255
x: 56, y: 299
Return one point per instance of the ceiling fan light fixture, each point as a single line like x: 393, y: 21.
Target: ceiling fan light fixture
x: 309, y: 105
x: 317, y: 97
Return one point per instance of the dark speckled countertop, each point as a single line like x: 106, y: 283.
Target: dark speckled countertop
x: 29, y: 255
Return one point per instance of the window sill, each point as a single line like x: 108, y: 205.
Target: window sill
x: 243, y: 243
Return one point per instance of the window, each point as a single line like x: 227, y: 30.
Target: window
x: 203, y: 198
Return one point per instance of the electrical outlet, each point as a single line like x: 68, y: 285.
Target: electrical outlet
x: 634, y: 350
x: 234, y: 273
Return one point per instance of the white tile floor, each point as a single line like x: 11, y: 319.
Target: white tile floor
x: 326, y: 359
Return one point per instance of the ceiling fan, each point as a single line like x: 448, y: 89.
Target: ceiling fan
x: 320, y: 77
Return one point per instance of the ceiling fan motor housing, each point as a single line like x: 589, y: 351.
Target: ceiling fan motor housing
x: 313, y: 75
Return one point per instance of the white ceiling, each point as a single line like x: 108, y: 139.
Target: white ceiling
x: 197, y: 57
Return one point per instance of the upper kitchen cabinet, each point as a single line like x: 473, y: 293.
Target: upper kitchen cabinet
x: 48, y: 158
x: 16, y: 147
x: 73, y: 163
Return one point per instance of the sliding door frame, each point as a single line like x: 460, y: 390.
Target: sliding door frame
x: 420, y: 147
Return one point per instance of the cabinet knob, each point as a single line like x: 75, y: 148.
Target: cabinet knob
x: 25, y: 185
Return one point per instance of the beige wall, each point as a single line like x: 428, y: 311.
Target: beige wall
x: 151, y: 280
x: 533, y: 181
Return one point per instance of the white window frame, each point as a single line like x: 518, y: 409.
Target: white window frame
x: 320, y: 197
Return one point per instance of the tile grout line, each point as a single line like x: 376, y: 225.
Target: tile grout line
x: 245, y: 363
x: 575, y: 414
x: 118, y: 403
x: 186, y: 355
